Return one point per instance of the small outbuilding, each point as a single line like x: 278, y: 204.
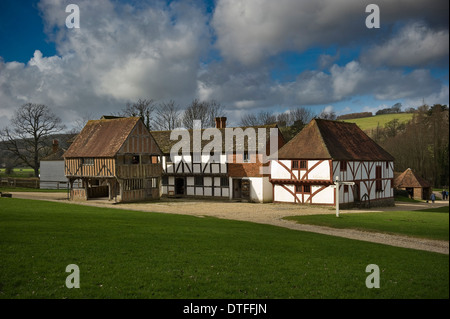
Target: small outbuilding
x: 51, y: 170
x: 416, y: 186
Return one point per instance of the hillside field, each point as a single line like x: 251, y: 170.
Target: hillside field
x: 369, y: 123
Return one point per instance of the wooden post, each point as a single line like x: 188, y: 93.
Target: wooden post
x: 337, y: 183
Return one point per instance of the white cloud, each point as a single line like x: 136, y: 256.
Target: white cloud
x: 123, y: 52
x: 250, y: 31
x: 120, y: 53
x: 415, y: 45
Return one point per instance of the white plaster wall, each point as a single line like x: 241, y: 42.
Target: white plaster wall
x: 52, y: 171
x: 325, y: 196
x: 278, y: 171
x: 267, y: 190
x: 320, y: 172
x: 282, y: 195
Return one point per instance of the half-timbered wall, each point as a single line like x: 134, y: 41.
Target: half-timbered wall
x: 311, y: 181
x: 90, y: 167
x: 201, y: 176
x: 139, y: 142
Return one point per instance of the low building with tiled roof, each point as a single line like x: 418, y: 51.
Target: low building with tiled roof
x: 116, y: 158
x: 416, y: 186
x: 309, y: 163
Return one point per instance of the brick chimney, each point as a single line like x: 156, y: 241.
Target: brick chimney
x: 221, y: 122
x: 55, y: 146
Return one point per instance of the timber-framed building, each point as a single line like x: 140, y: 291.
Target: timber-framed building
x: 115, y: 158
x: 308, y: 165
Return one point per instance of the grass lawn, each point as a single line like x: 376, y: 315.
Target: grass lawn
x: 368, y: 123
x: 430, y: 223
x: 129, y: 254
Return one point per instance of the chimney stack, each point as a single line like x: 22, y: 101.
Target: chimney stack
x: 221, y: 122
x: 55, y: 146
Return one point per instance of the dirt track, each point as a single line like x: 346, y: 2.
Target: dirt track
x: 267, y: 214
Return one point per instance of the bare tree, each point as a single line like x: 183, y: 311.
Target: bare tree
x: 205, y: 111
x: 331, y: 115
x: 168, y: 116
x: 28, y: 136
x: 79, y: 124
x: 142, y: 108
x: 261, y: 118
x: 300, y: 115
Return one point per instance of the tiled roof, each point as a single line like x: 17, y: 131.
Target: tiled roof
x: 101, y: 138
x: 409, y: 179
x: 325, y: 139
x: 56, y: 156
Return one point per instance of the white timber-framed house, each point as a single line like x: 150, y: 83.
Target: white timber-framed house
x: 308, y: 165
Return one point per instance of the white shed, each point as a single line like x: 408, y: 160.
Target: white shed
x: 52, y: 175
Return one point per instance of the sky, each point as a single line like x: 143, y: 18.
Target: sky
x: 248, y: 55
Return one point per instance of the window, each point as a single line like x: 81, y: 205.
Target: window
x: 246, y: 156
x: 378, y: 186
x: 165, y: 180
x: 343, y: 166
x: 168, y: 159
x: 224, y: 181
x: 198, y: 181
x: 88, y: 161
x: 302, y: 164
x: 345, y: 188
x: 135, y: 159
x: 305, y: 189
x: 387, y: 165
x: 133, y: 184
x: 154, y: 159
x: 154, y: 182
x: 294, y: 164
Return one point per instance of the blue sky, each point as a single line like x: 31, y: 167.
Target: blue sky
x: 248, y: 55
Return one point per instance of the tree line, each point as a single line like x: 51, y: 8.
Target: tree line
x: 421, y: 144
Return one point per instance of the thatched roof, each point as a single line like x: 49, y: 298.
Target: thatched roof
x: 325, y: 139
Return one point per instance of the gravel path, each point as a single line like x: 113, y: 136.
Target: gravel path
x: 267, y: 214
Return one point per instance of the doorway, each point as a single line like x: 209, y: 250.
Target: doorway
x: 179, y: 186
x: 241, y: 188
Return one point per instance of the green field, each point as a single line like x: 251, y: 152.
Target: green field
x: 430, y: 223
x: 129, y: 254
x: 17, y: 172
x: 368, y: 123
